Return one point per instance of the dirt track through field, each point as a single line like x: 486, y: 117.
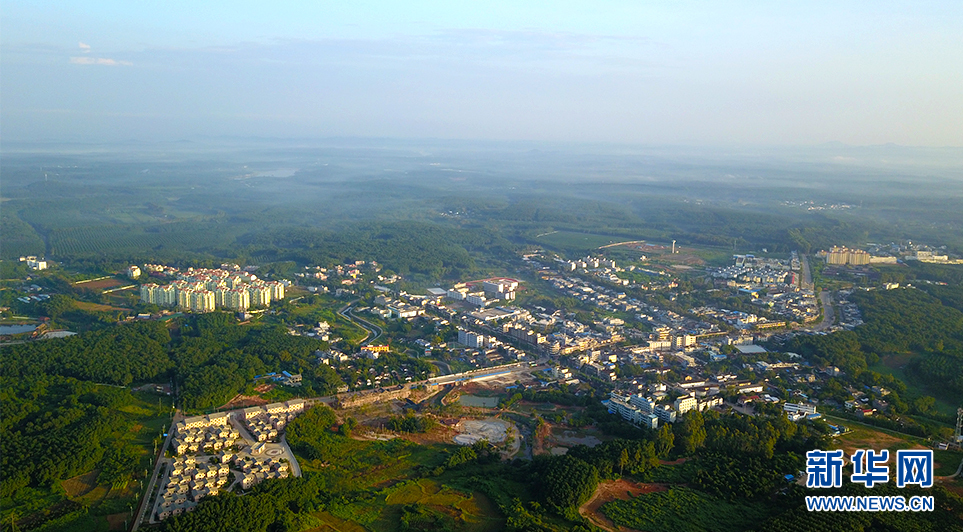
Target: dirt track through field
x: 611, y: 490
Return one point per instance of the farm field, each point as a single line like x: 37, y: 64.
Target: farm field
x: 422, y: 504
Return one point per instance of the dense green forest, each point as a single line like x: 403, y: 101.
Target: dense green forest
x: 923, y: 323
x: 57, y: 427
x: 210, y: 358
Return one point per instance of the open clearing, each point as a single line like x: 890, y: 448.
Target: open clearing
x: 572, y: 240
x: 473, y: 430
x: 611, y: 490
x: 469, y: 511
x: 96, y: 307
x: 866, y: 438
x: 81, y: 484
x: 862, y: 437
x: 99, y: 284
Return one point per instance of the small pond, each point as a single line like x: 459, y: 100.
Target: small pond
x: 478, y: 401
x: 16, y: 329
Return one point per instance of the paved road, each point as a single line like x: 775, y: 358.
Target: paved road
x: 295, y: 467
x: 958, y: 470
x: 826, y: 299
x: 153, y: 477
x: 367, y: 325
x: 807, y: 274
x: 442, y: 366
x: 346, y: 313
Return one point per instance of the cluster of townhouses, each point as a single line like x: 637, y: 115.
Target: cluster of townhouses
x: 256, y: 470
x: 204, y: 433
x: 189, y: 482
x: 191, y: 477
x: 204, y: 290
x: 265, y: 423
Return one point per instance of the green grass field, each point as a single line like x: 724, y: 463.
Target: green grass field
x: 574, y: 241
x: 946, y: 402
x: 425, y: 502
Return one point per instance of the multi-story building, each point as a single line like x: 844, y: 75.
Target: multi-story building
x: 632, y: 413
x: 195, y: 290
x: 841, y: 255
x: 164, y: 296
x: 471, y: 339
x: 685, y: 403
x: 201, y: 300
x: 235, y: 299
x: 260, y: 296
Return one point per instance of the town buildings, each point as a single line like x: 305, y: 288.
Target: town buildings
x: 204, y: 290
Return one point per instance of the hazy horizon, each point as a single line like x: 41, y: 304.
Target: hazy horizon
x: 681, y: 74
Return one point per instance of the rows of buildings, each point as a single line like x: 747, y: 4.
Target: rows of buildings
x: 888, y: 254
x: 204, y: 290
x: 187, y: 483
x: 265, y: 423
x: 207, y: 446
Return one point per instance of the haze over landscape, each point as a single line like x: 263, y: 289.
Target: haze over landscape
x: 520, y: 266
x: 626, y: 72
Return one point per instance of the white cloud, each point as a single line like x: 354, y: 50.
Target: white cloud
x: 84, y: 46
x: 98, y: 61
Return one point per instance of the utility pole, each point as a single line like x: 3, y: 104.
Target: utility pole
x: 959, y: 427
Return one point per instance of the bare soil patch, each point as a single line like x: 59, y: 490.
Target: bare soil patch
x: 99, y: 285
x: 116, y: 521
x: 243, y: 401
x: 683, y: 258
x: 97, y: 307
x: 81, y: 484
x: 441, y: 434
x: 611, y: 490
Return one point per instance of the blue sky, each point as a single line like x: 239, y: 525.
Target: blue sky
x: 713, y: 73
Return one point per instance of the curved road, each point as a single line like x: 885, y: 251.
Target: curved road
x: 346, y: 313
x: 442, y: 366
x: 367, y: 325
x: 295, y: 467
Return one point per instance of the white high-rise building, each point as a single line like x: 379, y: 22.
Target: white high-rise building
x: 260, y: 295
